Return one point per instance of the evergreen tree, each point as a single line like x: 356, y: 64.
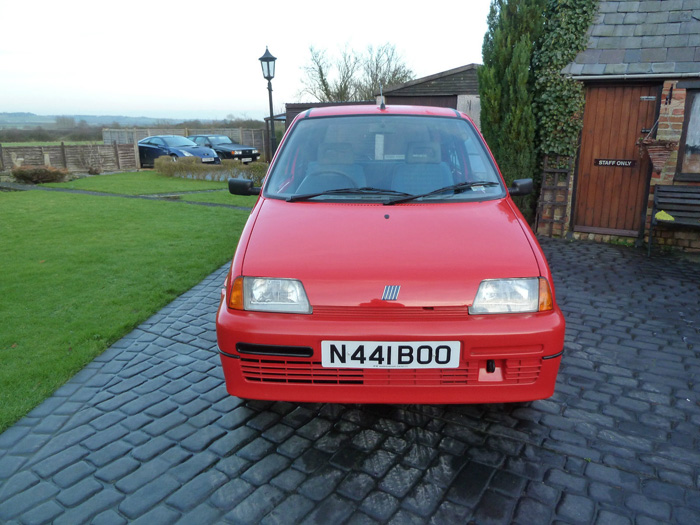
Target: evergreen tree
x: 506, y: 85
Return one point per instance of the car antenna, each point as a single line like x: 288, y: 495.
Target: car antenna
x: 381, y: 95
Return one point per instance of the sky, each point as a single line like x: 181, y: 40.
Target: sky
x: 177, y: 59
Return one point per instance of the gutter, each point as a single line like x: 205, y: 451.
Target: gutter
x: 654, y: 76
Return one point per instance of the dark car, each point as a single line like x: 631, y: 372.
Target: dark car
x: 174, y: 146
x: 227, y: 149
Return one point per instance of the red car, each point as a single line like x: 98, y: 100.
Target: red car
x: 385, y: 262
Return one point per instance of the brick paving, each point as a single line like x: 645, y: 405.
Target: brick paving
x: 147, y: 434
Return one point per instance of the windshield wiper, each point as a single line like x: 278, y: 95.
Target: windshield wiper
x: 456, y: 188
x: 348, y: 191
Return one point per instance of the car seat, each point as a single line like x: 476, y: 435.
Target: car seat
x: 334, y: 169
x: 423, y: 170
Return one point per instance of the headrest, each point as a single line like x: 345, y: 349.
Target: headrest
x: 335, y: 153
x: 423, y: 153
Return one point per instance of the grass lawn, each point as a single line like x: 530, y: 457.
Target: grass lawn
x: 138, y: 183
x: 81, y: 271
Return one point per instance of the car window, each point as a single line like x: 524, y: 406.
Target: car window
x: 157, y: 141
x: 221, y: 139
x: 175, y: 142
x: 411, y: 155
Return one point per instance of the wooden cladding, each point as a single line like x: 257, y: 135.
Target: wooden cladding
x: 612, y: 181
x: 77, y: 159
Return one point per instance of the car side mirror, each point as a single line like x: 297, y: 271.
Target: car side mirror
x: 242, y: 187
x: 520, y: 187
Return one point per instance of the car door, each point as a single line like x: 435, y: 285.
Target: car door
x: 154, y: 148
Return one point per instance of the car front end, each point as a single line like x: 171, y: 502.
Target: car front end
x: 371, y: 294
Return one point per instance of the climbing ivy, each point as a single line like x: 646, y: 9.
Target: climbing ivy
x: 559, y: 99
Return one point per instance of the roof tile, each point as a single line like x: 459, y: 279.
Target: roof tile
x: 609, y: 7
x: 676, y: 41
x: 688, y: 67
x: 681, y: 54
x: 632, y: 56
x: 639, y: 69
x: 652, y: 6
x: 663, y: 67
x: 635, y: 37
x: 616, y: 69
x: 654, y: 54
x: 612, y: 56
x: 652, y: 41
x: 628, y: 7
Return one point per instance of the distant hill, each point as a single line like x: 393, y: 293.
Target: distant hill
x: 21, y: 119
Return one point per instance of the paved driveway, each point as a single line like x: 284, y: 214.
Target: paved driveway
x: 147, y: 433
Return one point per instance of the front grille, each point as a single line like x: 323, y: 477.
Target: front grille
x: 293, y: 371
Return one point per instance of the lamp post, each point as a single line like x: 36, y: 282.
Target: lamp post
x: 267, y: 61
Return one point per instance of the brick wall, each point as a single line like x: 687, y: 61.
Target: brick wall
x: 671, y: 118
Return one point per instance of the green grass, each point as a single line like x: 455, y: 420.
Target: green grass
x: 81, y: 271
x: 138, y: 183
x: 221, y: 197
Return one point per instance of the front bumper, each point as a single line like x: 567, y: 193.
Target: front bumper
x: 504, y: 358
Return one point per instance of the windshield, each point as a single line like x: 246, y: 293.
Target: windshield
x: 384, y: 158
x: 220, y: 139
x: 178, y: 142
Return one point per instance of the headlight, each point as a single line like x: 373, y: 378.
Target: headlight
x: 255, y: 152
x: 263, y: 294
x: 185, y: 153
x: 499, y: 296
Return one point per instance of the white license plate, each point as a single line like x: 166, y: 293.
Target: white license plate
x: 207, y: 159
x: 390, y: 354
x: 247, y: 160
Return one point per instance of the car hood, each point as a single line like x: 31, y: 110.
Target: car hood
x: 345, y: 254
x: 199, y: 151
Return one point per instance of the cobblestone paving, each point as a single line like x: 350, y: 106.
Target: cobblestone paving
x: 146, y: 433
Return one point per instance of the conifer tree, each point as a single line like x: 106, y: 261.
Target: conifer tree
x: 506, y: 84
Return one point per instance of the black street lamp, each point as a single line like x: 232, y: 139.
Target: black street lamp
x: 267, y: 61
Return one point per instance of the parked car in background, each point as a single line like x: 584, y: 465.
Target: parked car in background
x: 386, y: 262
x: 174, y: 146
x: 227, y: 149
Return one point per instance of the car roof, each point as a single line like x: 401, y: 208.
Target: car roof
x: 328, y: 111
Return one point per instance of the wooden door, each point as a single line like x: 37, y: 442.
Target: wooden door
x: 612, y: 181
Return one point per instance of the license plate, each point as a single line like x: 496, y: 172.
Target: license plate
x: 247, y: 160
x: 390, y: 354
x: 207, y: 159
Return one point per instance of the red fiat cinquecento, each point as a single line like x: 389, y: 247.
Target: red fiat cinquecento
x: 385, y: 262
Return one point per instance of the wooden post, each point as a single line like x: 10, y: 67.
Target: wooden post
x: 116, y: 155
x: 136, y: 153
x: 63, y: 155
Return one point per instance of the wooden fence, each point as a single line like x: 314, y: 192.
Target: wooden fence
x: 76, y: 159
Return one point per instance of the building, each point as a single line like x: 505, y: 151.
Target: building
x: 456, y: 88
x: 641, y: 73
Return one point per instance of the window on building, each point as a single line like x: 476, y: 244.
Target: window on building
x: 689, y: 148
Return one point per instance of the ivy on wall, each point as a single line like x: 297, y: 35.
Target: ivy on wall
x: 558, y: 99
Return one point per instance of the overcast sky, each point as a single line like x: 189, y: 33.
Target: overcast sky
x: 199, y: 59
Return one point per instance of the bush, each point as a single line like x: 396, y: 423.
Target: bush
x: 194, y: 168
x: 39, y: 174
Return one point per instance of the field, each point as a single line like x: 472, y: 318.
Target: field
x: 80, y: 271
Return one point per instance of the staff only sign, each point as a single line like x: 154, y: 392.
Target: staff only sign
x: 615, y: 163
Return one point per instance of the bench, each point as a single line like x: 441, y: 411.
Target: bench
x: 674, y: 206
